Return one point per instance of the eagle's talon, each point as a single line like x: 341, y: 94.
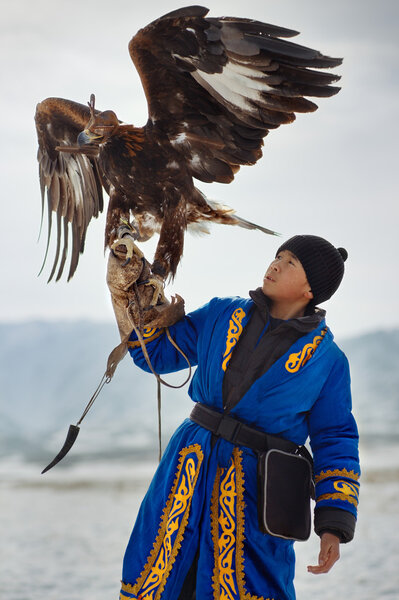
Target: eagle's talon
x: 131, y: 249
x: 158, y: 285
x: 127, y: 261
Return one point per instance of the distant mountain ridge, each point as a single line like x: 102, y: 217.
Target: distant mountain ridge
x: 49, y: 370
x: 374, y: 364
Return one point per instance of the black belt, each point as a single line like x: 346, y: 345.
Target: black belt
x: 238, y: 433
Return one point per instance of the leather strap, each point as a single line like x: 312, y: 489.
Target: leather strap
x: 236, y: 432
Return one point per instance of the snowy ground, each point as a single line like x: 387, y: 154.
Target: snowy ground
x: 63, y: 534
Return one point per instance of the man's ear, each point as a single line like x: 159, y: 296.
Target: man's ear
x: 309, y: 295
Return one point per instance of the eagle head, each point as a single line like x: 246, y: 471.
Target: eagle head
x: 100, y: 126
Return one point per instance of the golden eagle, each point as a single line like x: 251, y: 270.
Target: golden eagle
x: 214, y: 87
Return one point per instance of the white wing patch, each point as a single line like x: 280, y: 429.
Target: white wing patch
x: 195, y: 161
x: 73, y: 170
x: 236, y: 84
x: 181, y: 138
x: 247, y: 77
x: 172, y: 165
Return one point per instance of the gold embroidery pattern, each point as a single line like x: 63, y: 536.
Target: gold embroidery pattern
x: 123, y: 597
x: 349, y: 489
x: 235, y: 330
x: 149, y: 331
x: 338, y: 496
x: 152, y: 580
x: 146, y: 339
x: 227, y: 526
x: 227, y: 530
x: 337, y: 473
x: 296, y: 360
x: 215, y: 533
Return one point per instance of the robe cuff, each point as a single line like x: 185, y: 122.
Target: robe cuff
x: 149, y: 334
x: 335, y: 520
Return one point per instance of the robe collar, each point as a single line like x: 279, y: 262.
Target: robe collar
x: 316, y: 337
x: 303, y: 324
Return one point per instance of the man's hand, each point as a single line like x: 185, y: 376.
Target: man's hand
x: 329, y: 554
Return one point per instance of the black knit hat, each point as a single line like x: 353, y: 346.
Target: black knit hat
x: 322, y: 263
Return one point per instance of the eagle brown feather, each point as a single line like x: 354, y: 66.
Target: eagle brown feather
x: 214, y: 88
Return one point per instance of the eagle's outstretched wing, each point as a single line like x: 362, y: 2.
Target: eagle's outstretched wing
x: 72, y: 180
x: 215, y: 86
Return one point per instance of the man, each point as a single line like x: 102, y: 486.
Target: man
x: 269, y: 376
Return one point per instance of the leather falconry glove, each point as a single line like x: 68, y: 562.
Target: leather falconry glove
x: 137, y: 295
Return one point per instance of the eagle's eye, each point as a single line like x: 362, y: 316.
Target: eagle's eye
x: 107, y: 118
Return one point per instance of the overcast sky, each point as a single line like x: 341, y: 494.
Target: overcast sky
x: 332, y: 173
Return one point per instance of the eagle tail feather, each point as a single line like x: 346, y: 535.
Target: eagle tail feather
x: 220, y: 213
x: 249, y: 225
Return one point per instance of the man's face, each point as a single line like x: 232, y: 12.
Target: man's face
x: 285, y: 279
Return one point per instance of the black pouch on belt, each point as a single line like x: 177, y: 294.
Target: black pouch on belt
x: 285, y: 486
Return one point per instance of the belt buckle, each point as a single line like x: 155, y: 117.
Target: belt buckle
x: 228, y: 428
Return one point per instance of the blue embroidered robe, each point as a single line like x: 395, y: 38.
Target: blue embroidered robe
x: 203, y: 497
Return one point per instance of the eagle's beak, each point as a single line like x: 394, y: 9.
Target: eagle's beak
x: 86, y: 137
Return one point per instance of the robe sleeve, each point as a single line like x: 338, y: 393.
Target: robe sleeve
x: 334, y: 441
x: 165, y: 358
